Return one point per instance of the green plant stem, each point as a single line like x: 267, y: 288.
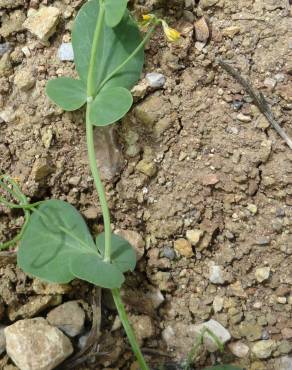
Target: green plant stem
x: 99, y: 186
x: 128, y: 329
x: 138, y: 48
x: 90, y: 141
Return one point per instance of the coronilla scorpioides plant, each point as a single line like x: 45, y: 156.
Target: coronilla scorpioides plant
x: 55, y: 244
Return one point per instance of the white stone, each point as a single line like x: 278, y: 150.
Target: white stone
x: 262, y: 274
x: 239, y: 349
x: 218, y: 331
x: 216, y: 274
x: 33, y: 344
x: 65, y: 52
x: 155, y: 80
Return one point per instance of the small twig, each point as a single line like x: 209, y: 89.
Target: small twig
x: 259, y: 100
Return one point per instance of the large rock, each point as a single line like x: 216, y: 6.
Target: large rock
x: 68, y: 317
x: 33, y: 344
x: 43, y: 23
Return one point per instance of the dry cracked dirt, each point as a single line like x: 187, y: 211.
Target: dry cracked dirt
x: 195, y: 176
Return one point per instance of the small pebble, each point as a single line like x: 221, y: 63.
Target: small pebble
x: 239, y: 349
x: 216, y: 275
x: 155, y: 80
x: 270, y: 83
x: 243, y: 118
x: 262, y: 274
x: 169, y: 253
x: 252, y: 208
x: 183, y: 247
x: 65, y: 52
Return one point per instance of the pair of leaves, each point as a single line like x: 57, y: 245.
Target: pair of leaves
x: 112, y: 100
x: 57, y: 247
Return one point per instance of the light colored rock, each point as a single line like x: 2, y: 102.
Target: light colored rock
x: 243, y: 118
x: 262, y: 274
x: 24, y: 79
x: 270, y: 83
x: 33, y: 344
x: 216, y: 274
x: 135, y: 239
x: 217, y: 329
x: 43, y: 23
x: 194, y: 236
x: 143, y: 327
x: 147, y: 167
x: 183, y: 247
x: 252, y: 208
x: 65, y: 52
x: 202, y: 30
x: 231, y: 31
x: 155, y: 80
x: 68, y: 317
x: 263, y: 348
x: 41, y: 169
x: 218, y: 303
x: 156, y: 297
x: 90, y: 213
x: 2, y: 339
x: 239, y: 349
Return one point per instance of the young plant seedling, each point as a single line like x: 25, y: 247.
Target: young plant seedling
x: 55, y: 243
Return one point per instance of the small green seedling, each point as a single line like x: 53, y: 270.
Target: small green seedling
x: 194, y: 352
x: 55, y: 243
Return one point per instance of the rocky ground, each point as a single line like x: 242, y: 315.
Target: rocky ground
x: 196, y: 179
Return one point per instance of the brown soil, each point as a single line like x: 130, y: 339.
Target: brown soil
x: 211, y: 171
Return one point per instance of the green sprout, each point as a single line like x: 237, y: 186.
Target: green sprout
x: 55, y: 243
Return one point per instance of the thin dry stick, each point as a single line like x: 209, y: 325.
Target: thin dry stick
x: 259, y: 100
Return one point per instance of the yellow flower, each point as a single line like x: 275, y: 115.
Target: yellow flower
x: 146, y: 17
x: 170, y: 33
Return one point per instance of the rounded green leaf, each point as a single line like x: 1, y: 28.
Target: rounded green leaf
x: 114, y: 11
x: 110, y: 105
x: 94, y: 270
x: 122, y: 254
x: 115, y: 45
x: 56, y: 231
x: 66, y: 92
